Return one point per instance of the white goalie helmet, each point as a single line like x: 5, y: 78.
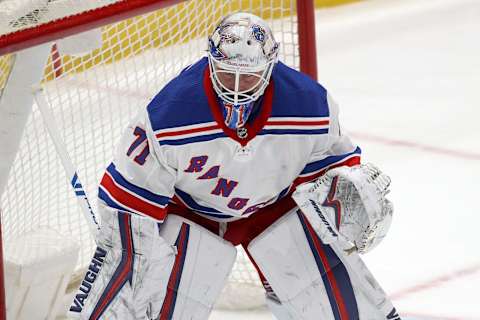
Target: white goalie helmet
x: 241, y: 54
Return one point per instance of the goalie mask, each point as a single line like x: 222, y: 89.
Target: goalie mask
x: 241, y: 56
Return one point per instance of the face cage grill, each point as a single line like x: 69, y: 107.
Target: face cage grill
x: 237, y: 97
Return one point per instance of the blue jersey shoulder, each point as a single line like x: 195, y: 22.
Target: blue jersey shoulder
x: 182, y: 101
x: 297, y: 95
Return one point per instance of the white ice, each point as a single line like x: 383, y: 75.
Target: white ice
x: 405, y: 73
x: 407, y: 77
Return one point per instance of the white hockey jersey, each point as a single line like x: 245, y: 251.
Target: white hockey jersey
x: 179, y: 149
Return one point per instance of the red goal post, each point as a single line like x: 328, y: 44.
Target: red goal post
x: 93, y: 94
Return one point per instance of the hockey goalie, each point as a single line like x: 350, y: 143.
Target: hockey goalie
x: 238, y: 149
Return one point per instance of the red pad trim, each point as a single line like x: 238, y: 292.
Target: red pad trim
x: 168, y: 306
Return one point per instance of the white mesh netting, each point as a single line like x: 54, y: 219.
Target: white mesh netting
x: 93, y: 97
x: 17, y: 15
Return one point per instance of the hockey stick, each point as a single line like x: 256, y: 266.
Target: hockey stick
x: 67, y: 163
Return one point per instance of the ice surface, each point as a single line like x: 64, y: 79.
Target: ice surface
x: 407, y: 77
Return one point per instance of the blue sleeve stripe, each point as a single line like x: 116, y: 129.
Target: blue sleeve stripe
x: 144, y: 193
x: 209, y: 137
x: 321, y: 164
x: 102, y: 195
x: 201, y: 138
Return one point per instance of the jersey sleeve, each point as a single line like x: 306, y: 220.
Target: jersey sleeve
x: 338, y: 151
x: 139, y: 180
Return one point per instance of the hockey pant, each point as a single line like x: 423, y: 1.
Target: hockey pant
x: 311, y: 280
x: 145, y: 270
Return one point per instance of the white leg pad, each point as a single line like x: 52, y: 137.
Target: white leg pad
x: 189, y: 288
x: 282, y: 254
x: 311, y: 279
x: 145, y: 271
x: 116, y: 283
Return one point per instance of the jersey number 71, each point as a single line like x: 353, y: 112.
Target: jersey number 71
x: 140, y: 141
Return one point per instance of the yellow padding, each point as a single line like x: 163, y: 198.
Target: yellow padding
x: 5, y: 66
x: 332, y: 3
x: 172, y: 25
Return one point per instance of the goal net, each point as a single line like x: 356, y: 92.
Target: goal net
x: 93, y: 94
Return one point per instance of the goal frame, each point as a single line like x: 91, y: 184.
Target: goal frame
x: 89, y: 20
x: 64, y: 27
